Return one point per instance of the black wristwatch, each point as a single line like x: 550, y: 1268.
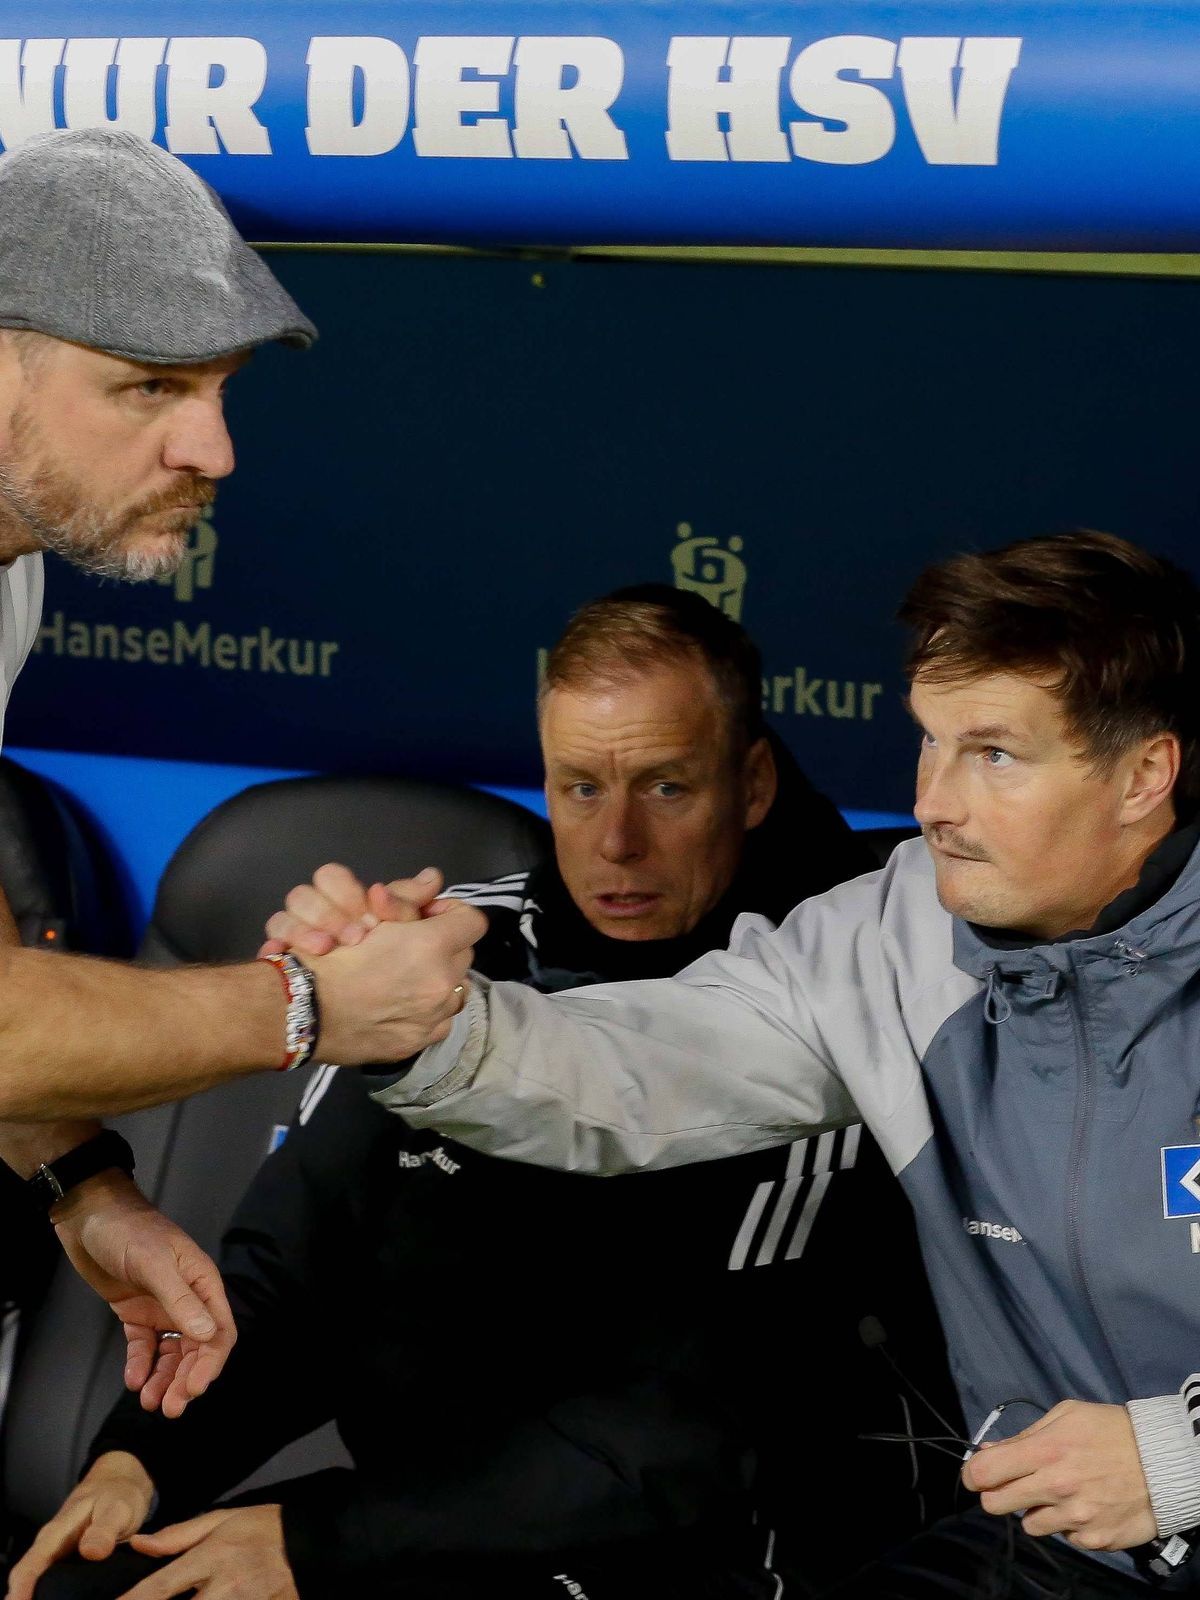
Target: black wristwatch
x: 52, y: 1179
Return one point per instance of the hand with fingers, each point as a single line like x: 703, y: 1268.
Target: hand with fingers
x: 238, y: 1554
x: 107, y: 1505
x: 157, y: 1282
x: 390, y: 961
x: 1076, y: 1471
x: 336, y: 909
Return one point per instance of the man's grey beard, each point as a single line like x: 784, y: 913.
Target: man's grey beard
x: 83, y: 543
x: 91, y: 541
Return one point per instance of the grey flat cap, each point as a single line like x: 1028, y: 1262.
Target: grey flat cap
x: 108, y: 241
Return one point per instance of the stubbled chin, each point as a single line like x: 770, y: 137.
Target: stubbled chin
x: 156, y: 555
x: 972, y: 903
x: 954, y: 891
x: 631, y: 929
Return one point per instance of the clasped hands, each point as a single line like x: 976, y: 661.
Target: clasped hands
x: 1075, y: 1471
x: 385, y: 991
x: 336, y: 910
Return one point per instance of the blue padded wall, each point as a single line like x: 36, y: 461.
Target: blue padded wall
x: 476, y: 445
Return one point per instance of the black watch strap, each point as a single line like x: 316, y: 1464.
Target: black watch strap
x: 52, y: 1179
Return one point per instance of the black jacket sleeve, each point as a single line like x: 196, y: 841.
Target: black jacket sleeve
x: 275, y: 1385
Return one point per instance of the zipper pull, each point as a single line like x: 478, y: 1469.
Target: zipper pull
x: 1131, y: 956
x: 996, y: 1005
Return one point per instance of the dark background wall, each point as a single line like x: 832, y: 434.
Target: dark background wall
x: 477, y: 445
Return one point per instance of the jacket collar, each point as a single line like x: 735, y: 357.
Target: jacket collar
x: 1159, y: 915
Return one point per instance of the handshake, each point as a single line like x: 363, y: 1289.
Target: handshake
x: 390, y: 960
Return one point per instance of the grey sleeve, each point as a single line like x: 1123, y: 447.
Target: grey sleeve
x: 727, y: 1057
x: 1170, y: 1450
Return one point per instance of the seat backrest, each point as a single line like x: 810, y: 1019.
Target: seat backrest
x: 59, y: 879
x: 196, y: 1158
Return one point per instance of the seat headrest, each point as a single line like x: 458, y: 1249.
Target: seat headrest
x: 235, y: 867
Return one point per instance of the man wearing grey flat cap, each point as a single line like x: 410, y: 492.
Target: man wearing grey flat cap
x: 127, y: 302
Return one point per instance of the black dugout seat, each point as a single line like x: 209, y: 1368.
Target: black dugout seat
x: 57, y: 875
x: 195, y: 1159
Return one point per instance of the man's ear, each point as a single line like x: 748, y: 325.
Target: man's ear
x: 761, y: 781
x: 1151, y: 777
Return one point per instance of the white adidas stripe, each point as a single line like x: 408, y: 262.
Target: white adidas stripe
x: 316, y: 1090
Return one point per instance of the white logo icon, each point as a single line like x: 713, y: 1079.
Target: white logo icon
x: 1190, y: 1180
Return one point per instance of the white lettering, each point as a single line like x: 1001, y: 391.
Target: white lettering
x: 869, y: 123
x: 962, y: 130
x: 129, y: 67
x: 1196, y: 1238
x: 27, y: 88
x: 993, y: 1230
x: 333, y: 66
x: 551, y: 118
x: 203, y: 116
x: 444, y: 96
x: 437, y: 1156
x: 698, y: 97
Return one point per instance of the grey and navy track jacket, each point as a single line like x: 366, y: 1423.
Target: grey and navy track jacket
x: 1039, y: 1106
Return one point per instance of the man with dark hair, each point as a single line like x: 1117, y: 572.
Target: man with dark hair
x: 605, y: 1443
x: 1011, y: 1007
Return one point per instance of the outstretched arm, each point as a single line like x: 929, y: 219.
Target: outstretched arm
x: 728, y: 1057
x: 81, y: 1037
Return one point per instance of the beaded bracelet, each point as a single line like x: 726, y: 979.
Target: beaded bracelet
x: 303, y: 1021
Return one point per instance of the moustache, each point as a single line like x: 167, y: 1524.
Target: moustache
x: 955, y: 845
x: 194, y: 496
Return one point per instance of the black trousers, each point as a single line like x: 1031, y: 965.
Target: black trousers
x: 974, y: 1556
x: 620, y: 1573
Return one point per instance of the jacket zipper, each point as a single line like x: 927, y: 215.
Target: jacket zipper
x: 1079, y: 1141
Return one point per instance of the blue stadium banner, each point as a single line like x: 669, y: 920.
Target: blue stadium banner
x: 1056, y: 125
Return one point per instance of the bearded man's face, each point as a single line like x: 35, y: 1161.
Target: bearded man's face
x: 107, y: 462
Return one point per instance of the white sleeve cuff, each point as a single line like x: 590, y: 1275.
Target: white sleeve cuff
x: 448, y: 1066
x: 1170, y: 1455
